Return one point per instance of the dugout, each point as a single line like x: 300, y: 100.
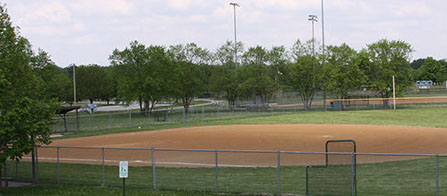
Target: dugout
x: 63, y: 114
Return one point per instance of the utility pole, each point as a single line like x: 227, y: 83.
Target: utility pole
x: 74, y: 84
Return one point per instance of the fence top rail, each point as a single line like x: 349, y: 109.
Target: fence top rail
x: 250, y: 151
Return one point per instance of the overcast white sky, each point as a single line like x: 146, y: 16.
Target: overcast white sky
x: 87, y: 31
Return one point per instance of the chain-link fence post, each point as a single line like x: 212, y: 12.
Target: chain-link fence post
x: 153, y: 169
x: 58, y: 177
x: 217, y: 172
x: 130, y: 119
x: 437, y: 175
x: 279, y: 173
x: 77, y: 121
x: 89, y: 123
x: 184, y: 116
x: 166, y: 119
x: 110, y: 120
x: 203, y: 115
x: 353, y: 174
x: 103, y: 168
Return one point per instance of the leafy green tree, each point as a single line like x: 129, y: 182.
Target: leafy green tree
x: 257, y: 77
x: 92, y: 82
x: 144, y: 74
x: 189, y: 80
x: 384, y: 59
x: 25, y: 116
x: 110, y: 91
x: 343, y: 73
x: 432, y: 70
x: 304, y: 74
x: 57, y: 84
x: 278, y: 59
x: 416, y: 64
x: 225, y: 79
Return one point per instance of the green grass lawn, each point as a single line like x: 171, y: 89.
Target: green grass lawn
x: 421, y: 116
x: 85, y: 190
x: 409, y: 177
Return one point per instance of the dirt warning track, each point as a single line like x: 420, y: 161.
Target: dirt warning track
x: 307, y: 138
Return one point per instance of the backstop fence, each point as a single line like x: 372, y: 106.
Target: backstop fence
x: 236, y: 171
x: 164, y: 116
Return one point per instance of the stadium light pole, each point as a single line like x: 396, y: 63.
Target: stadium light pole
x: 322, y: 25
x: 235, y: 43
x: 235, y: 38
x: 314, y: 19
x: 322, y: 39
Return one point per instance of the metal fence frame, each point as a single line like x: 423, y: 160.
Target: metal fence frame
x: 129, y: 119
x: 216, y: 152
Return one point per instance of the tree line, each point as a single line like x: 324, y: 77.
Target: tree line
x: 150, y: 74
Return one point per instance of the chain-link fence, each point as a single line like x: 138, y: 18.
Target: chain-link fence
x: 129, y: 119
x: 238, y: 171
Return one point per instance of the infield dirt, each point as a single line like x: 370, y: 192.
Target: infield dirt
x: 306, y: 138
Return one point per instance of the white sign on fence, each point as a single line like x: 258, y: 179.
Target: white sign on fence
x: 124, y: 169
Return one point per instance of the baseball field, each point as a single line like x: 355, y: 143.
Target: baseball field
x: 409, y: 131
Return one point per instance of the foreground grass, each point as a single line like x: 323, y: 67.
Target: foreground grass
x: 408, y: 177
x: 56, y: 190
x: 427, y: 117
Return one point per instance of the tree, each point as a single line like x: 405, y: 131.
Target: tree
x: 25, y: 117
x: 144, y: 74
x: 92, y: 82
x: 189, y: 77
x: 343, y: 72
x: 304, y: 74
x: 433, y: 70
x: 225, y: 79
x: 110, y: 89
x: 384, y: 59
x: 57, y: 84
x: 256, y: 76
x: 416, y: 64
x: 278, y: 59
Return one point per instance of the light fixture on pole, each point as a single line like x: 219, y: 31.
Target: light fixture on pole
x: 235, y: 38
x: 314, y: 19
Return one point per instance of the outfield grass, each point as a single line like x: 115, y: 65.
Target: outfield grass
x: 421, y: 116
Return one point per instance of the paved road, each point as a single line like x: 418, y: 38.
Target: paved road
x: 137, y: 106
